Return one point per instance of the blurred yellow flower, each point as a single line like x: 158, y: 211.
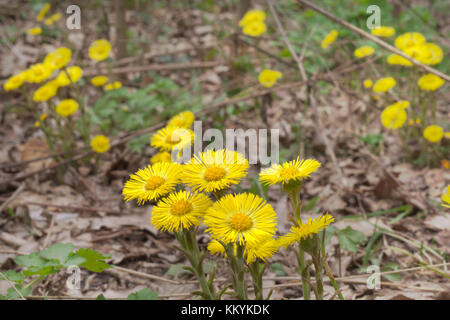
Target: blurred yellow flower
x: 268, y: 77
x: 37, y: 124
x: 161, y: 157
x: 113, y: 86
x: 254, y: 29
x: 329, y: 39
x: 52, y: 19
x: 44, y: 93
x: 368, y: 83
x: 100, y: 144
x: 433, y: 133
x: 446, y: 197
x: 289, y: 172
x: 394, y: 116
x: 67, y: 107
x: 396, y: 59
x: 43, y: 116
x: 35, y: 31
x: 43, y: 12
x: 252, y: 16
x: 170, y: 138
x: 384, y: 84
x: 39, y: 72
x: 99, y: 49
x: 383, y: 31
x: 15, y: 81
x: 409, y: 39
x: 74, y: 73
x: 364, y: 51
x: 432, y: 54
x: 430, y: 82
x: 99, y: 81
x: 58, y: 58
x: 182, y: 120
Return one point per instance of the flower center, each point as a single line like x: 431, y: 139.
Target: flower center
x: 181, y: 208
x: 154, y: 182
x: 214, y: 173
x: 240, y: 222
x: 288, y: 172
x: 173, y: 138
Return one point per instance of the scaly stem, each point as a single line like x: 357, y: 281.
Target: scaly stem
x: 318, y: 268
x: 257, y: 273
x: 304, y: 272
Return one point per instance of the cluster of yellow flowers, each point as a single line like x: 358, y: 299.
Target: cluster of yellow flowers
x: 252, y: 23
x: 48, y: 22
x: 414, y: 44
x: 244, y: 219
x: 329, y: 39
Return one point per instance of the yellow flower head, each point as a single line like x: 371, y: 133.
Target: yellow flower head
x: 409, y: 39
x: 446, y: 198
x: 368, y: 83
x: 384, y: 84
x: 292, y: 171
x: 396, y: 59
x: 364, y: 51
x: 113, y: 86
x: 262, y: 250
x: 67, y: 107
x: 305, y: 230
x: 394, y: 116
x: 99, y: 81
x: 383, y: 31
x: 329, y: 39
x: 152, y: 182
x: 215, y: 247
x: 182, y: 120
x: 430, y: 82
x: 243, y: 218
x: 161, y: 157
x: 99, y: 49
x: 100, y: 144
x: 254, y: 29
x: 43, y: 12
x: 69, y: 75
x: 35, y: 31
x: 170, y: 138
x: 268, y: 77
x: 180, y: 211
x: 44, y: 93
x: 43, y: 116
x: 37, y: 124
x: 252, y: 16
x: 433, y: 133
x: 432, y: 54
x: 52, y: 19
x: 15, y: 81
x: 215, y: 170
x: 39, y: 72
x: 59, y: 58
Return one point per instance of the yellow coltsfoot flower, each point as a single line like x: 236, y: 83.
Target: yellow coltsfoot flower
x: 67, y: 107
x: 45, y: 92
x: 152, y: 182
x: 430, y: 82
x: 305, y: 230
x: 446, y: 198
x: 364, y: 51
x: 262, y: 250
x: 113, y: 86
x: 35, y: 31
x: 215, y: 170
x: 99, y: 81
x: 180, y: 211
x: 409, y: 39
x: 268, y: 77
x: 15, y: 81
x: 161, y: 157
x: 367, y: 83
x: 170, y: 138
x: 59, y: 58
x: 243, y: 218
x: 254, y: 29
x: 384, y: 84
x: 182, y: 120
x: 394, y: 115
x: 69, y: 75
x: 39, y: 72
x: 329, y: 39
x: 292, y: 171
x: 383, y: 31
x: 100, y: 144
x: 252, y: 16
x: 43, y: 12
x: 433, y: 133
x: 99, y: 50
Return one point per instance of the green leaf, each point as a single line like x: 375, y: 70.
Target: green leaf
x: 349, y: 239
x: 278, y: 269
x: 393, y: 277
x: 14, y: 276
x: 33, y: 259
x: 144, y: 294
x: 175, y: 270
x: 93, y: 260
x: 329, y: 233
x: 100, y: 297
x: 12, y: 293
x: 311, y: 203
x: 59, y: 251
